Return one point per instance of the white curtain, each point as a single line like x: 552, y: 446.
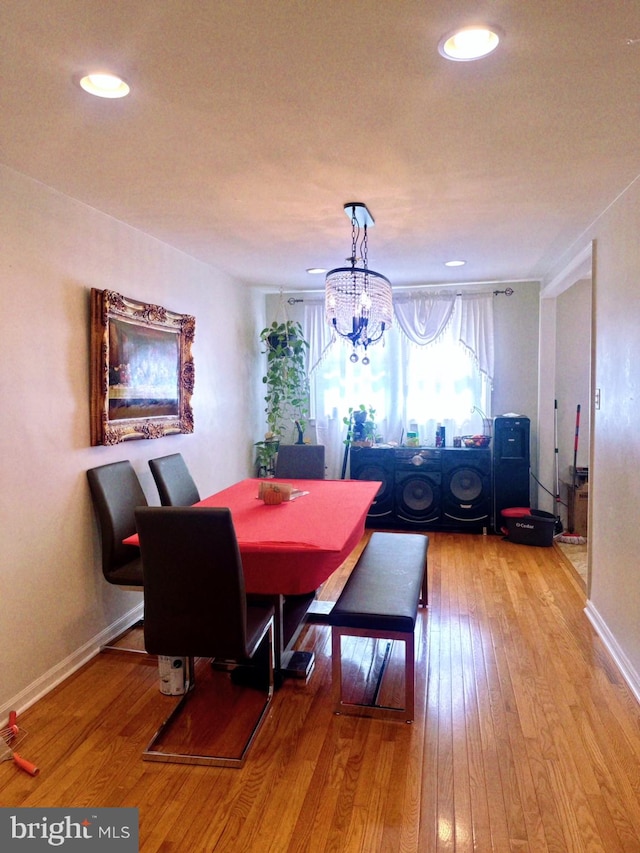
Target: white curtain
x: 425, y: 318
x: 434, y: 366
x: 318, y: 333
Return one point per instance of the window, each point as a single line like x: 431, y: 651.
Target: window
x: 410, y: 386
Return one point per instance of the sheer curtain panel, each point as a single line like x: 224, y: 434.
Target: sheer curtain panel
x: 433, y: 367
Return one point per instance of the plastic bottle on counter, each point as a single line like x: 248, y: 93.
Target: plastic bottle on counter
x: 412, y: 439
x: 440, y: 436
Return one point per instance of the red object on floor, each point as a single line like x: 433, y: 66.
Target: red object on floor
x: 514, y: 512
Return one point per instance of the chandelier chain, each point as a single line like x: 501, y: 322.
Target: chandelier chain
x: 365, y: 247
x: 354, y: 237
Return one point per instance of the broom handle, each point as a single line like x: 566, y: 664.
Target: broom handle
x: 575, y: 445
x: 555, y: 442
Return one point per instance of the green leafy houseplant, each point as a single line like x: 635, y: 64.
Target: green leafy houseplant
x: 361, y: 426
x: 287, y: 387
x: 266, y: 456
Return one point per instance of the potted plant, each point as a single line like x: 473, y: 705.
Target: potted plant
x: 281, y: 338
x: 287, y: 387
x: 361, y: 427
x: 361, y: 431
x: 266, y: 451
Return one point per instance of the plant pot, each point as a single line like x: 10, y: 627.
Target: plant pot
x: 265, y: 455
x: 284, y: 342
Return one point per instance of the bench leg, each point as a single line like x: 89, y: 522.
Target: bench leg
x: 384, y: 711
x: 424, y: 593
x: 409, y: 677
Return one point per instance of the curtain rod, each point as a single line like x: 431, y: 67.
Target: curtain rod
x: 508, y: 291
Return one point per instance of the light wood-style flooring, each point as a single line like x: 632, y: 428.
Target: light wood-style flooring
x: 526, y: 738
x: 577, y: 555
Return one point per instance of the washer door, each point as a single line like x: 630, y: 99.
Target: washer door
x: 417, y: 497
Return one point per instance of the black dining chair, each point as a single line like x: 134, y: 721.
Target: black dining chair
x: 116, y: 492
x: 300, y: 462
x: 175, y: 484
x: 195, y: 605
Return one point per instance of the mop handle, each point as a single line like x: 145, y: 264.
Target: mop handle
x: 575, y: 446
x: 555, y: 449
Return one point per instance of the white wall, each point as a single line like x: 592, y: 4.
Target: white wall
x: 516, y: 352
x: 614, y: 488
x: 54, y: 602
x: 515, y: 387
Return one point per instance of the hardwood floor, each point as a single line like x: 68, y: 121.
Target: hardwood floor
x: 526, y: 737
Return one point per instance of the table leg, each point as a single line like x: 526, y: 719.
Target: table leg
x: 290, y: 613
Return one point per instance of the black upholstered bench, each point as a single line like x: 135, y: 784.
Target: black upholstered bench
x: 380, y: 600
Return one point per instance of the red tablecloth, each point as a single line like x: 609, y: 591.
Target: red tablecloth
x: 293, y: 547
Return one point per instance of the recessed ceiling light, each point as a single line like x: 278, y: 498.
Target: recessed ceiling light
x: 316, y: 270
x: 454, y: 263
x: 469, y: 43
x: 104, y: 85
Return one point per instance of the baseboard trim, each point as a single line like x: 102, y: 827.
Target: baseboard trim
x: 627, y: 670
x: 57, y: 674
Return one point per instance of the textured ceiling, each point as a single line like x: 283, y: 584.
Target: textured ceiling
x: 250, y: 124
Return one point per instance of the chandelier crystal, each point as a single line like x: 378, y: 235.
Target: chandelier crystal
x: 358, y: 302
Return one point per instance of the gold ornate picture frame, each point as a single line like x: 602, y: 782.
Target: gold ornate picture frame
x: 142, y: 372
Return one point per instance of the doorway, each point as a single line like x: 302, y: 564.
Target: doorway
x: 566, y: 367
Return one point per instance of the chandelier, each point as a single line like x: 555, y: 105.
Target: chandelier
x: 358, y: 300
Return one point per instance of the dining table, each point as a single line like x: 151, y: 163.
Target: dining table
x: 290, y: 549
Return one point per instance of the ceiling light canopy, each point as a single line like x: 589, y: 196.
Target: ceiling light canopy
x: 469, y: 43
x: 104, y: 85
x: 358, y: 302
